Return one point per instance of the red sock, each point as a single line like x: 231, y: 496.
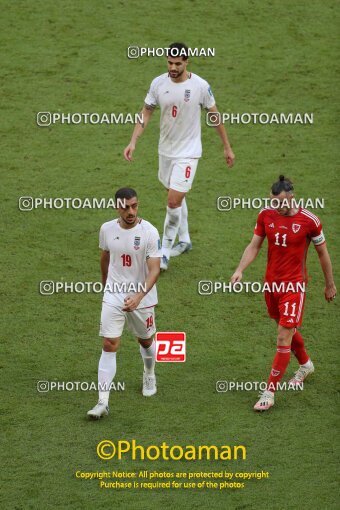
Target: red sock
x: 279, y: 366
x: 298, y: 348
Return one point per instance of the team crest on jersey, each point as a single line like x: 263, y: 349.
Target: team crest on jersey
x: 296, y: 228
x: 136, y: 243
x: 187, y: 95
x: 272, y: 225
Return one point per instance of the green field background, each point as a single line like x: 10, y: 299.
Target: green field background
x: 65, y: 56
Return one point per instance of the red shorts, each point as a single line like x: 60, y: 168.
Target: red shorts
x: 286, y: 307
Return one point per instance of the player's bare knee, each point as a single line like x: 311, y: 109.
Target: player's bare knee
x: 174, y: 203
x: 175, y: 199
x: 145, y: 342
x: 111, y: 344
x: 284, y: 336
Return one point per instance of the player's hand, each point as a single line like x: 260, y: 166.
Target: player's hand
x: 229, y: 156
x: 237, y: 276
x: 330, y: 292
x: 131, y: 302
x: 128, y: 151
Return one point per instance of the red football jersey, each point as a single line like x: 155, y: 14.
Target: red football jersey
x: 288, y: 242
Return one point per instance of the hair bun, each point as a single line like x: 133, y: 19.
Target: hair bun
x: 281, y: 178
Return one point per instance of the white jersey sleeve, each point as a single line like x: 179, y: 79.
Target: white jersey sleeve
x: 102, y: 239
x: 207, y: 97
x: 153, y: 247
x: 151, y: 96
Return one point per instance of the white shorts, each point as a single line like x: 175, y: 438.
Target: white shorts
x: 140, y: 322
x: 177, y: 174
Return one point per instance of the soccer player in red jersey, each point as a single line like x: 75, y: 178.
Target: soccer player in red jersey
x: 289, y: 230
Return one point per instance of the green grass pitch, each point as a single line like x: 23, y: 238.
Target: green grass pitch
x: 71, y: 57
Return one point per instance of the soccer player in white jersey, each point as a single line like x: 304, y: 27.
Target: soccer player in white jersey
x: 181, y: 96
x: 130, y: 259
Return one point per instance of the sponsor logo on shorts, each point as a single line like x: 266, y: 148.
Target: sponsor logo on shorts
x: 170, y: 347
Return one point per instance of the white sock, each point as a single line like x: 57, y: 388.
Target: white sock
x: 183, y: 231
x: 106, y: 372
x: 149, y: 356
x: 171, y: 224
x: 307, y: 364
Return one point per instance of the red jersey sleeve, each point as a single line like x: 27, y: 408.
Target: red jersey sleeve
x: 259, y: 229
x: 317, y: 234
x: 314, y: 228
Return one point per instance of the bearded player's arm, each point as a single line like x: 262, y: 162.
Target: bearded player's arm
x: 105, y: 254
x: 249, y: 255
x: 146, y: 113
x: 133, y: 301
x: 104, y: 265
x: 228, y: 152
x: 326, y: 266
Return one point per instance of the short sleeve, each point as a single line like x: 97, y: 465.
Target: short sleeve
x: 207, y: 97
x: 317, y: 234
x: 151, y: 96
x: 259, y: 229
x: 102, y: 240
x: 153, y: 247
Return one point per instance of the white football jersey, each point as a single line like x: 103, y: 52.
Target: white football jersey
x: 180, y: 104
x: 129, y: 250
